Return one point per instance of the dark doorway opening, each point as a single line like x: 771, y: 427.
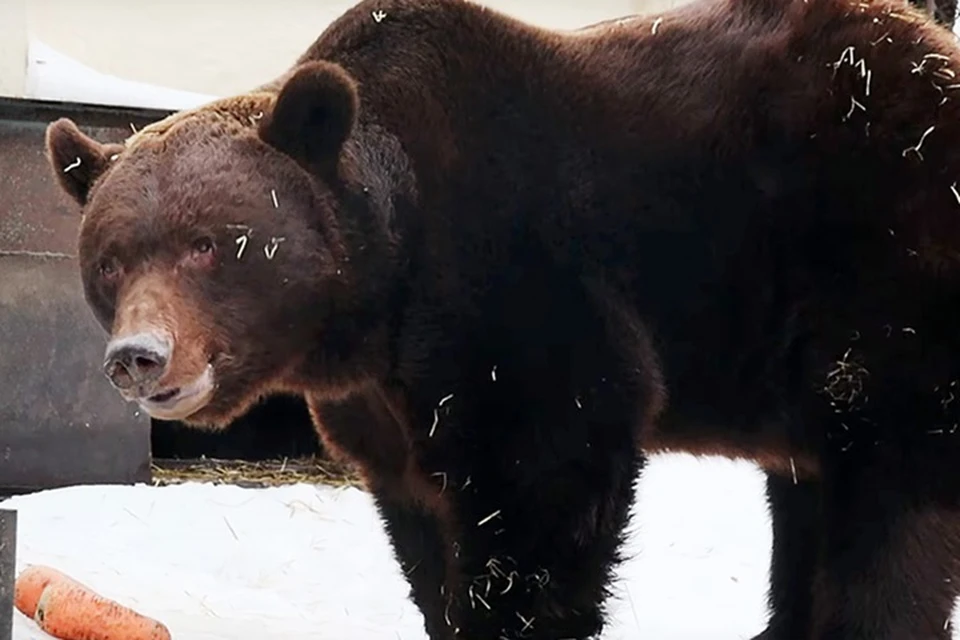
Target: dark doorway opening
x: 279, y: 427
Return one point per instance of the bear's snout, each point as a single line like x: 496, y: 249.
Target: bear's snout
x: 137, y: 361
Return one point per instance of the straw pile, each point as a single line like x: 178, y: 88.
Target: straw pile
x: 253, y: 474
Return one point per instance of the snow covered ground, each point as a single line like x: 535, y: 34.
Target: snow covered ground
x: 309, y: 562
x: 304, y: 562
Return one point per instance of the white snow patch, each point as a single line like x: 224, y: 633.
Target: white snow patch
x: 306, y: 563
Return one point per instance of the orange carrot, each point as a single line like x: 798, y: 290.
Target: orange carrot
x: 70, y: 611
x: 31, y: 583
x: 66, y: 609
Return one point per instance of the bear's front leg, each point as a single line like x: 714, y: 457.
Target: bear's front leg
x: 539, y: 474
x: 536, y: 556
x: 370, y: 429
x: 417, y: 536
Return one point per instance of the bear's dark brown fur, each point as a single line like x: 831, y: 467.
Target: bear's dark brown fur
x: 498, y: 260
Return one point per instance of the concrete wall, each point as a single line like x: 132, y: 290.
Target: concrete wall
x: 209, y: 47
x: 13, y: 47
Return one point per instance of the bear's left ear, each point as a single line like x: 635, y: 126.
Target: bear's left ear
x: 76, y: 159
x: 314, y: 113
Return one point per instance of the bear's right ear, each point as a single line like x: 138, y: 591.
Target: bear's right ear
x: 314, y: 114
x: 77, y: 159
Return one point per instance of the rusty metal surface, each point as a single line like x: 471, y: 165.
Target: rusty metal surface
x: 8, y: 563
x: 60, y: 421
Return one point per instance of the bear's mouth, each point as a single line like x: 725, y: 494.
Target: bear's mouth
x: 160, y: 398
x: 180, y: 402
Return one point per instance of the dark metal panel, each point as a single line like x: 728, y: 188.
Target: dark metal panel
x: 8, y: 564
x: 60, y: 421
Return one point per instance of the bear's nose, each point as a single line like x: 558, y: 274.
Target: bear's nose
x: 136, y: 361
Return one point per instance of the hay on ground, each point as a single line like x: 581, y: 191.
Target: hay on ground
x: 253, y: 474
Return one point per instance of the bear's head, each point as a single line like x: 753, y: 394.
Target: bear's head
x: 209, y: 245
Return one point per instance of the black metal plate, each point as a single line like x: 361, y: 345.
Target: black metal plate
x: 8, y: 567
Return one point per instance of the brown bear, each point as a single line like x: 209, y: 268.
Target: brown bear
x: 499, y: 262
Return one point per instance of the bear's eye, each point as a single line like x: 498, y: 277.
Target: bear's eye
x: 203, y: 246
x: 202, y: 251
x: 108, y: 269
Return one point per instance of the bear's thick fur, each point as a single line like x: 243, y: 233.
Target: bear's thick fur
x: 499, y: 260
